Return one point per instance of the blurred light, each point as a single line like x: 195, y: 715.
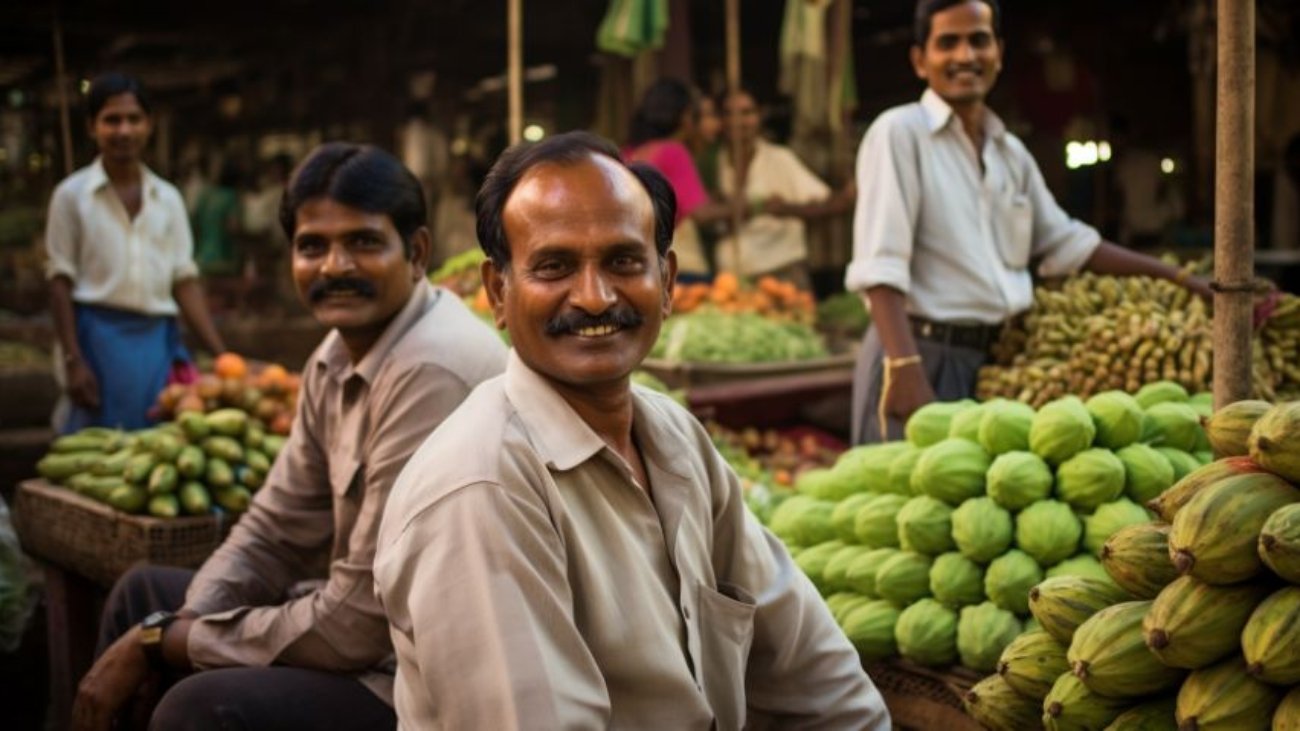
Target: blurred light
x: 1167, y: 166
x: 534, y: 132
x: 4, y: 155
x: 1103, y: 151
x: 16, y: 98
x: 459, y: 146
x: 85, y: 86
x: 1081, y: 154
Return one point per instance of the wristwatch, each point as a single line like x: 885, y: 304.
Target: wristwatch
x: 151, y: 636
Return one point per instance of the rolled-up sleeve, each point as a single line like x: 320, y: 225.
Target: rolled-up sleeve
x: 477, y: 594
x: 1061, y: 243
x: 62, y: 235
x: 802, y: 672
x: 340, y: 626
x: 884, y: 219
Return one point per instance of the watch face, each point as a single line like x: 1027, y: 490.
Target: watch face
x: 157, y: 619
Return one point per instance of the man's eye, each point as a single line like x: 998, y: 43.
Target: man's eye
x: 309, y: 248
x: 549, y: 268
x: 627, y: 263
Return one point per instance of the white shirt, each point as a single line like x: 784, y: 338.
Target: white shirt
x: 958, y: 244
x: 769, y: 242
x: 113, y: 260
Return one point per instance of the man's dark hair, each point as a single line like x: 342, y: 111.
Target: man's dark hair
x: 569, y: 148
x: 926, y: 9
x: 108, y: 85
x: 660, y: 112
x: 361, y: 176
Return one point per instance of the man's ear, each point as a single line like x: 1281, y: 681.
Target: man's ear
x: 494, y: 282
x: 917, y: 55
x: 669, y: 265
x: 421, y: 248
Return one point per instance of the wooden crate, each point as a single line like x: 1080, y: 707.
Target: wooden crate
x: 921, y: 699
x: 91, y: 539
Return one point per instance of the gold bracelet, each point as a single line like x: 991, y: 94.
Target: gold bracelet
x: 907, y: 360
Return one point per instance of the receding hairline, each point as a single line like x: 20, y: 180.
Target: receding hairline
x: 589, y: 157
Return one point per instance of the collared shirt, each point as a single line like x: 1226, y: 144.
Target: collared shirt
x: 530, y: 582
x: 955, y: 240
x: 767, y: 242
x: 324, y: 497
x: 112, y: 259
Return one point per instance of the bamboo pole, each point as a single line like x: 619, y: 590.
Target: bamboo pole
x: 515, y: 70
x: 61, y: 78
x: 1234, y: 208
x: 733, y: 85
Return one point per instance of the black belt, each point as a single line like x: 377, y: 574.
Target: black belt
x: 976, y: 336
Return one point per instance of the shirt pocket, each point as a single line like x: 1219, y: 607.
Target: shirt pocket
x: 726, y: 627
x: 1017, y: 230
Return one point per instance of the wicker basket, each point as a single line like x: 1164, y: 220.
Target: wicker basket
x: 61, y: 527
x: 920, y: 699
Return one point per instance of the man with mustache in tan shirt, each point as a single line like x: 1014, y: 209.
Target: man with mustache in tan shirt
x: 570, y: 551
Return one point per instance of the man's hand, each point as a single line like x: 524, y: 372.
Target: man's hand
x: 909, y: 390
x: 111, y: 682
x: 1200, y: 286
x: 83, y: 389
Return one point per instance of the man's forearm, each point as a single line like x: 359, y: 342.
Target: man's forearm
x: 1116, y: 260
x: 889, y: 316
x: 189, y: 297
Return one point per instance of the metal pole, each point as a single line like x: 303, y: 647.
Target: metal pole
x: 61, y: 78
x: 733, y: 85
x: 1234, y: 192
x: 515, y: 70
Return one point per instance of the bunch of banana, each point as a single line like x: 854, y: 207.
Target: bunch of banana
x: 178, y: 468
x: 1278, y: 344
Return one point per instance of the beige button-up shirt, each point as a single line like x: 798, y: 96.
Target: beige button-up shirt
x: 323, y: 499
x: 112, y: 259
x: 531, y: 583
x: 767, y: 242
x: 956, y: 240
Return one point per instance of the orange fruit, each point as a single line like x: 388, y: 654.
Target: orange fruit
x: 230, y: 365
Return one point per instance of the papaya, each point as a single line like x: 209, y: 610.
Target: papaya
x: 1004, y: 426
x: 167, y: 447
x: 1049, y: 531
x: 250, y: 478
x: 1018, y: 479
x: 191, y: 462
x: 1279, y: 542
x: 1152, y: 715
x: 1110, y: 656
x: 1214, y: 536
x: 951, y: 470
x: 114, y: 465
x: 899, y: 478
x: 1061, y: 429
x: 1274, y: 441
x: 1072, y: 706
x: 162, y: 479
x: 861, y: 574
x: 1147, y: 472
x: 876, y: 523
x: 1225, y: 697
x: 956, y: 580
x: 844, y: 513
x: 1118, y: 417
x: 1107, y: 519
x: 222, y: 447
x: 1229, y: 428
x: 997, y: 706
x: 1172, y: 500
x: 813, y: 562
x: 128, y: 498
x: 927, y: 633
x: 925, y: 526
x: 837, y: 601
x: 1183, y: 463
x: 82, y: 441
x: 1193, y: 624
x: 1032, y: 662
x: 1063, y: 603
x: 164, y: 505
x: 930, y: 424
x: 965, y: 424
x: 194, y: 425
x: 139, y: 467
x: 95, y: 487
x: 834, y: 576
x: 234, y: 498
x: 219, y: 474
x: 61, y: 466
x: 904, y: 577
x: 227, y: 422
x: 1287, y: 715
x: 254, y: 437
x: 1270, y: 641
x: 1009, y: 578
x: 1089, y: 478
x: 1081, y: 565
x: 1172, y: 425
x: 1161, y: 392
x: 981, y: 529
x: 798, y: 521
x: 194, y: 498
x: 850, y: 602
x: 1137, y: 559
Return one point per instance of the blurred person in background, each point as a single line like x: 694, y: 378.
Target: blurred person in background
x: 782, y: 193
x: 120, y: 269
x: 662, y: 125
x: 217, y: 222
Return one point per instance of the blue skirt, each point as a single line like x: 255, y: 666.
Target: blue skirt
x: 131, y: 356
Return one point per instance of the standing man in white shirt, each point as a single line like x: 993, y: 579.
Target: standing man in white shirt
x: 120, y: 268
x: 951, y: 211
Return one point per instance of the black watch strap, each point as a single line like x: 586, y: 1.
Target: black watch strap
x: 151, y: 636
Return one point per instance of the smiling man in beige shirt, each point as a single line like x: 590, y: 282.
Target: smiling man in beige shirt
x: 258, y: 646
x: 569, y: 551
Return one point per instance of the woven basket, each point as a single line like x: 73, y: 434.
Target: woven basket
x: 89, y: 538
x: 921, y: 699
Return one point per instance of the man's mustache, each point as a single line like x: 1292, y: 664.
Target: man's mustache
x: 571, y: 322
x: 322, y: 288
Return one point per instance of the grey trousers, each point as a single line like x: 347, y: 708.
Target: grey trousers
x: 951, y: 370
x: 229, y: 699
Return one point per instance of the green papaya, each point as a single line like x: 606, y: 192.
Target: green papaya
x: 1090, y: 478
x: 1287, y: 715
x: 1193, y: 624
x: 1072, y: 706
x: 194, y: 425
x: 1107, y: 519
x: 1062, y: 603
x: 167, y: 447
x: 235, y: 498
x: 1147, y: 472
x: 1224, y: 697
x: 191, y: 462
x: 1172, y: 500
x: 875, y: 524
x: 983, y: 632
x: 1214, y: 536
x: 1017, y: 480
x: 272, y: 444
x: 1049, y: 531
x: 930, y: 424
x: 862, y: 571
x: 163, y: 479
x: 1173, y: 425
x: 1118, y: 418
x: 1009, y: 578
x: 194, y: 498
x: 219, y: 473
x: 956, y: 580
x: 981, y: 529
x: 1228, y: 429
x: 1275, y: 441
x: 1152, y: 715
x: 1061, y: 429
x: 139, y: 467
x: 842, y: 517
x: 1108, y: 653
x: 1032, y: 662
x: 1161, y: 392
x: 1270, y: 640
x: 925, y: 526
x: 951, y: 470
x: 1004, y: 427
x: 164, y: 505
x: 1279, y: 542
x: 813, y: 561
x: 61, y: 466
x: 227, y: 422
x: 114, y: 465
x: 904, y: 577
x: 995, y: 705
x: 926, y: 633
x: 870, y: 628
x: 128, y: 498
x: 1137, y: 558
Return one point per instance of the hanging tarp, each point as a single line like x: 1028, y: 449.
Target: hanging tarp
x: 633, y: 26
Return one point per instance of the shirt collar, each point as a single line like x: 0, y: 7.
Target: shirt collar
x: 99, y: 178
x: 558, y: 434
x: 938, y: 113
x: 338, y: 363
